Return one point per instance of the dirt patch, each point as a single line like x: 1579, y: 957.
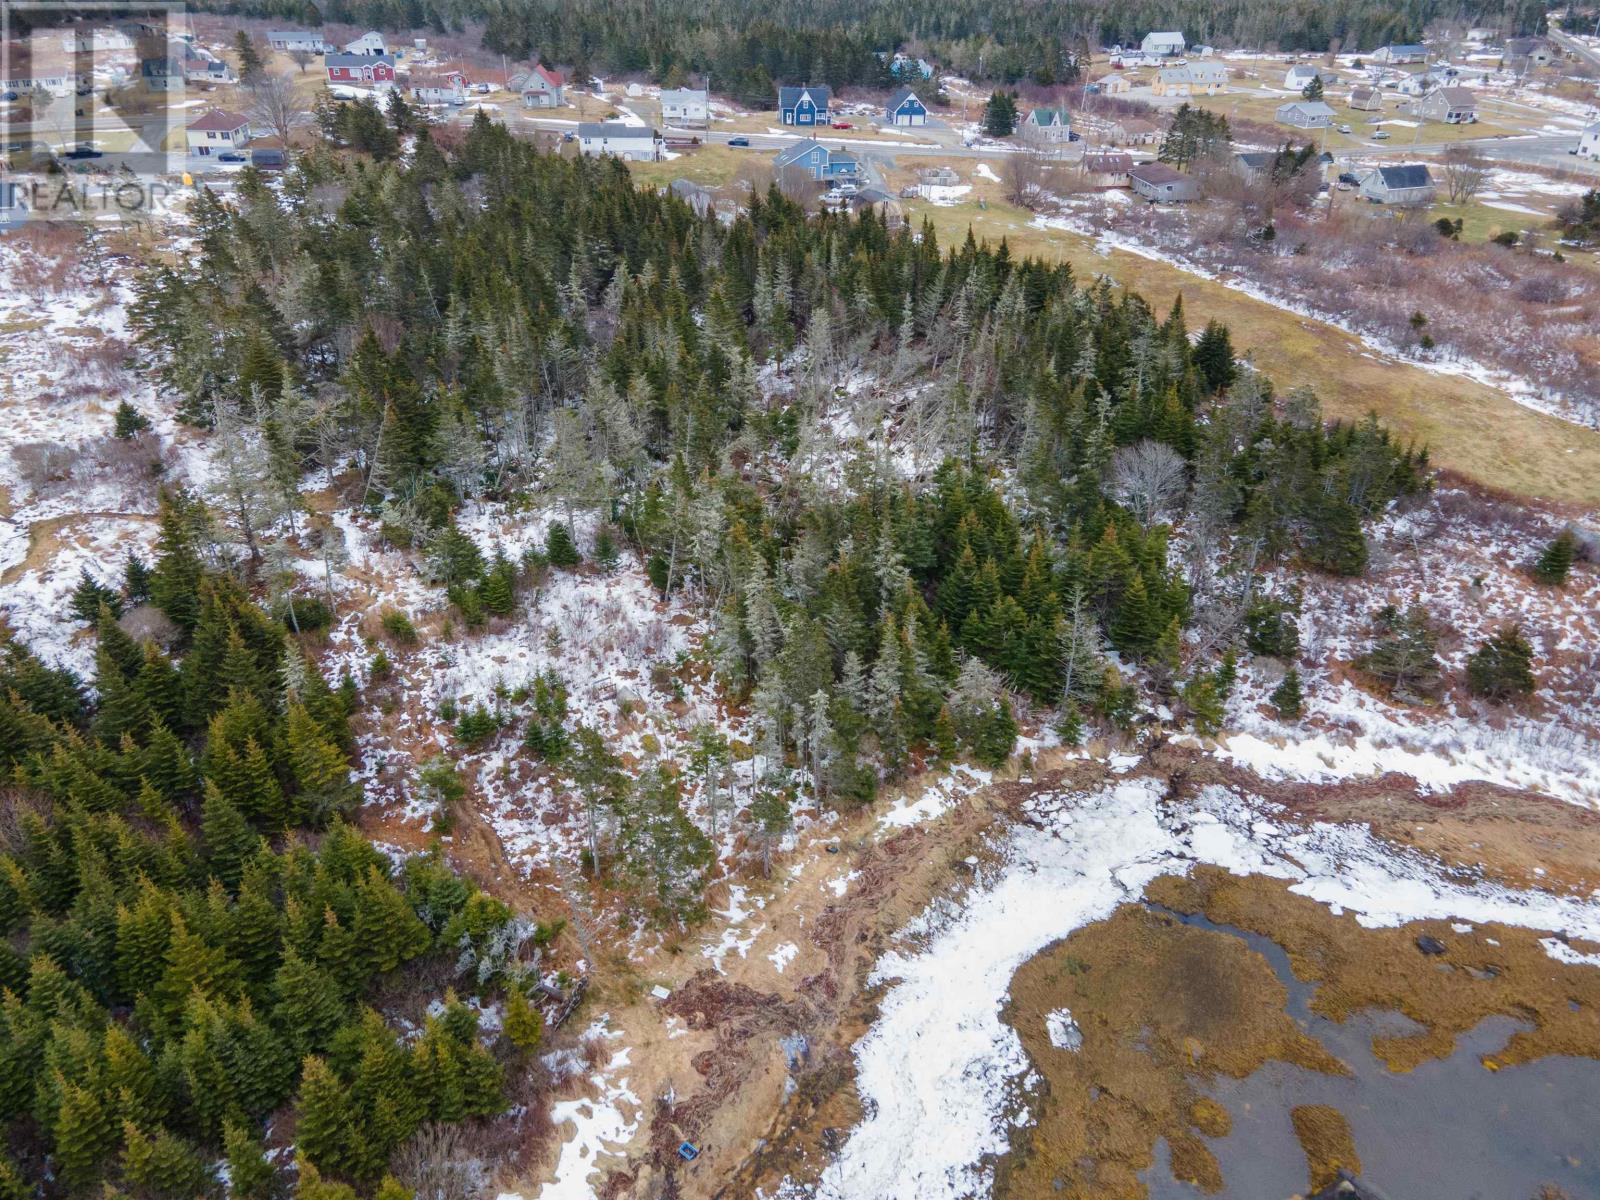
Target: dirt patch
x: 1162, y: 1006
x: 1488, y: 970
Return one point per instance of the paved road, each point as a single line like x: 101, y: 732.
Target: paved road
x: 1573, y: 46
x: 1546, y: 150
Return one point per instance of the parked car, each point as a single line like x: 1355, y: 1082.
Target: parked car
x: 83, y: 152
x: 231, y: 156
x: 1380, y: 135
x: 569, y: 136
x: 9, y: 96
x: 739, y: 141
x: 843, y: 125
x: 1350, y: 177
x: 1345, y: 129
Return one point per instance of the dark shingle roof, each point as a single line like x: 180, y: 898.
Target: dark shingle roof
x: 1411, y: 175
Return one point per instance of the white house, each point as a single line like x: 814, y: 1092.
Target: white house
x: 1298, y: 78
x: 631, y: 143
x: 290, y: 40
x: 368, y: 43
x: 1164, y: 45
x: 1395, y: 55
x: 217, y: 132
x: 1589, y: 142
x: 95, y: 41
x: 1419, y: 85
x: 439, y: 89
x: 685, y: 106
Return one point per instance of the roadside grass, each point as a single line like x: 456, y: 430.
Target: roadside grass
x: 709, y: 166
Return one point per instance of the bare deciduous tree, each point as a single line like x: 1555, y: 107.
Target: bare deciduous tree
x: 1465, y: 171
x: 274, y: 105
x: 1149, y: 478
x: 302, y: 58
x: 1026, y: 177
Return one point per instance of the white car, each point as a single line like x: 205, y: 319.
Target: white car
x: 1345, y: 129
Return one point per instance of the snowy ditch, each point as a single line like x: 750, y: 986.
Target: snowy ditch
x: 943, y: 1079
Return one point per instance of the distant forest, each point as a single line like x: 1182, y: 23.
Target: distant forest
x: 746, y: 46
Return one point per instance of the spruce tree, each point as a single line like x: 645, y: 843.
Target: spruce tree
x: 386, y: 929
x: 84, y: 1133
x: 1287, y: 698
x: 559, y: 547
x: 325, y: 1131
x: 90, y: 596
x: 1502, y: 668
x: 129, y: 422
x: 323, y: 789
x: 1556, y: 560
x: 229, y: 839
x: 250, y: 1175
x: 524, y: 1024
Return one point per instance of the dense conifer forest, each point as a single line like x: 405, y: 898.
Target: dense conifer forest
x: 746, y: 48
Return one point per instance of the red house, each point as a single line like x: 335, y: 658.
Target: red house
x: 360, y: 68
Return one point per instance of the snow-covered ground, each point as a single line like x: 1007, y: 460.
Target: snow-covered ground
x: 941, y: 1076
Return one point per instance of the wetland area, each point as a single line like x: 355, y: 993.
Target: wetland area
x: 1225, y: 1036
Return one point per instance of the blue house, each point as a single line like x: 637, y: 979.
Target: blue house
x: 905, y: 108
x: 822, y: 164
x: 804, y: 105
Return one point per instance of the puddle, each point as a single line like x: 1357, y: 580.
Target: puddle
x: 1448, y: 1130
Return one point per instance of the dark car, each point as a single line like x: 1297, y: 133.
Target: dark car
x: 1350, y: 178
x: 739, y: 141
x: 9, y: 96
x: 83, y: 152
x: 231, y: 157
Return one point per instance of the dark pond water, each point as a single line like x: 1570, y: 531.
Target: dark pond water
x: 1449, y: 1130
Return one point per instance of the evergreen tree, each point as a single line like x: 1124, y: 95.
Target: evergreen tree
x: 250, y: 1175
x: 559, y: 547
x: 320, y: 772
x: 1287, y: 697
x: 524, y: 1024
x: 1502, y: 668
x: 1556, y: 560
x: 325, y: 1131
x: 129, y: 422
x: 90, y: 596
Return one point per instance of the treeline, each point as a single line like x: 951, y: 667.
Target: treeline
x: 745, y: 48
x: 190, y: 935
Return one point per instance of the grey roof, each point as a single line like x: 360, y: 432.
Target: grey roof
x: 1411, y: 175
x: 1311, y: 108
x: 1457, y: 97
x: 900, y: 97
x: 356, y: 60
x: 1257, y: 160
x: 613, y: 129
x: 682, y: 96
x: 788, y: 97
x: 1406, y: 48
x: 1155, y: 173
x: 688, y: 189
x: 870, y: 196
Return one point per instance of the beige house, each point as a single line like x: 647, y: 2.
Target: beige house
x: 1172, y: 81
x: 1114, y: 85
x: 1366, y: 99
